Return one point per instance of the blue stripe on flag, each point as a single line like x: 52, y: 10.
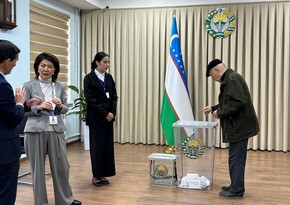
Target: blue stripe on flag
x: 175, y: 52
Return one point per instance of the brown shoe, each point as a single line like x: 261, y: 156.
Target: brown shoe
x: 225, y: 188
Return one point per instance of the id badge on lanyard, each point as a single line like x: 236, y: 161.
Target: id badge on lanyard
x: 52, y: 118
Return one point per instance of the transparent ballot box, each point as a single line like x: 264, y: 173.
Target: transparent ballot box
x: 194, y: 150
x: 162, y: 169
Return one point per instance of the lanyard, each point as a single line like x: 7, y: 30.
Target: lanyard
x: 101, y: 82
x: 53, y: 91
x: 53, y: 112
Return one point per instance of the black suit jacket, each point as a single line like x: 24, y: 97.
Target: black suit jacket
x: 98, y: 104
x: 10, y: 116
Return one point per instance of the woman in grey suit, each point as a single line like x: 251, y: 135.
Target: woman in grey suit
x: 44, y: 132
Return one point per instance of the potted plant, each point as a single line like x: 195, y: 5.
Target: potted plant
x: 80, y: 103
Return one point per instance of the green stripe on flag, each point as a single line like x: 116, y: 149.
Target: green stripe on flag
x: 167, y: 118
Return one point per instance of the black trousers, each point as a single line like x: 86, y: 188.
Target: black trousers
x: 237, y: 165
x: 8, y: 182
x: 102, y: 150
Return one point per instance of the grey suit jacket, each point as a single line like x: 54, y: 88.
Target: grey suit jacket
x: 37, y: 120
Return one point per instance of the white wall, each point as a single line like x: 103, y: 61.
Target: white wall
x: 20, y: 37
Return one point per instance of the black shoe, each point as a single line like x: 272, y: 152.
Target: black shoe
x: 105, y: 181
x: 228, y: 194
x: 97, y: 182
x: 76, y: 202
x: 227, y: 188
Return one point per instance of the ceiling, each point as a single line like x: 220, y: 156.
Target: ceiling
x: 83, y: 4
x: 118, y: 4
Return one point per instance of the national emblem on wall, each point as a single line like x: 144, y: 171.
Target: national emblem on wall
x: 220, y: 23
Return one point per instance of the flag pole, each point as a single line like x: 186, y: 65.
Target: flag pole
x: 170, y: 149
x: 176, y: 103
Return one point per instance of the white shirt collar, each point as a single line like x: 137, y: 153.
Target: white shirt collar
x: 101, y: 76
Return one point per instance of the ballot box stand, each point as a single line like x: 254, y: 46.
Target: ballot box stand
x: 194, y: 150
x: 162, y: 169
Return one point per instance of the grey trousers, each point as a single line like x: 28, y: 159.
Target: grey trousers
x: 37, y: 146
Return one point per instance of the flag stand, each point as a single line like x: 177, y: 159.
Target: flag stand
x: 169, y: 150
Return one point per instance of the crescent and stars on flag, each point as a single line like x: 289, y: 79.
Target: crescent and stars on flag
x: 176, y: 55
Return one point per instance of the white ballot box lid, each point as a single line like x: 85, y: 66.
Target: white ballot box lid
x: 195, y: 124
x: 159, y: 156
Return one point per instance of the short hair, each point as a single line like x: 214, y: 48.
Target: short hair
x: 8, y: 50
x: 98, y: 57
x: 50, y: 57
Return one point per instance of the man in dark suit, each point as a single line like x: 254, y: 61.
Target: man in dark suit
x: 11, y: 114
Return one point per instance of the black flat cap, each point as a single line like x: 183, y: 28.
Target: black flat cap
x: 211, y: 65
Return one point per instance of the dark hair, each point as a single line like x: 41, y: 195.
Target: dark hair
x: 50, y: 57
x: 8, y: 50
x: 98, y: 57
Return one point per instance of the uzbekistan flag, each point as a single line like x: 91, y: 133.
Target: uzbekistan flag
x: 176, y: 101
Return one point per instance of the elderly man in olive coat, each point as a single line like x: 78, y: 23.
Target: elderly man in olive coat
x: 238, y: 121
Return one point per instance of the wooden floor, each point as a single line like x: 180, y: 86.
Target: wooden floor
x: 267, y: 180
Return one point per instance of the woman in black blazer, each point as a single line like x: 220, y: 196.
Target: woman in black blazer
x: 101, y: 97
